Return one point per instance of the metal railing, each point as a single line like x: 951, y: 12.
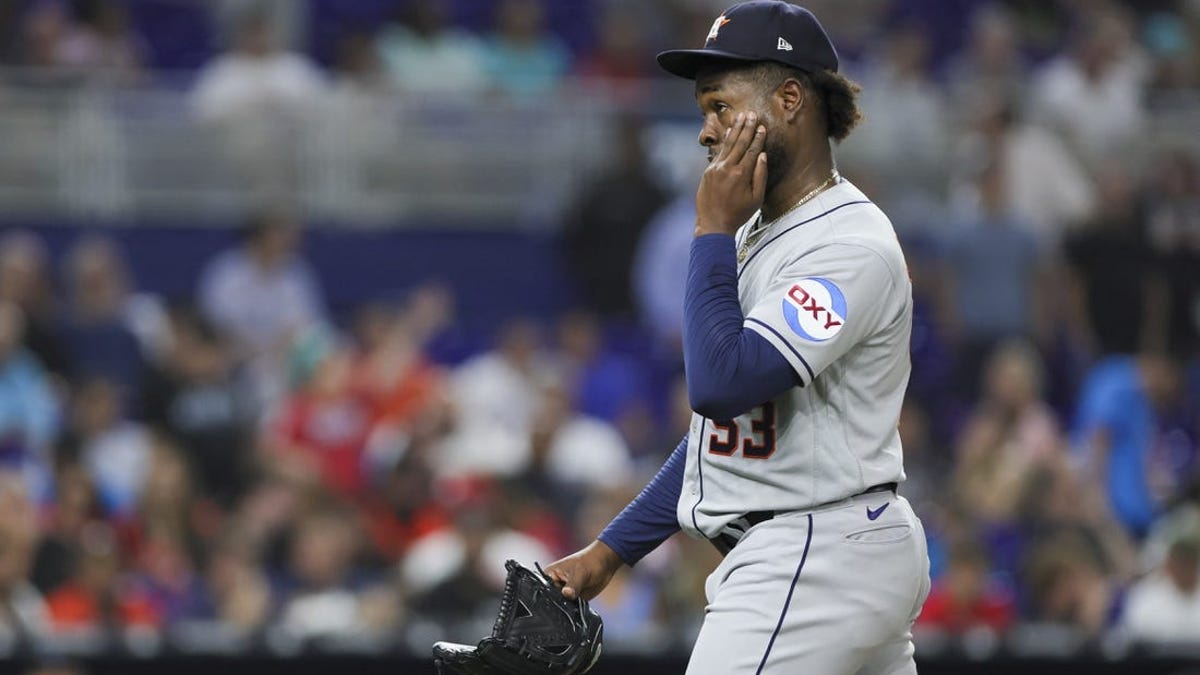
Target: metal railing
x: 87, y: 150
x: 112, y: 151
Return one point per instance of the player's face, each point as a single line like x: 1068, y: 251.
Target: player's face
x: 721, y: 95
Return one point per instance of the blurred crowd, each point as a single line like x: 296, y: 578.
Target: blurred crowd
x: 245, y: 463
x: 253, y: 462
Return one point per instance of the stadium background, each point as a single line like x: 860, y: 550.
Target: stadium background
x: 311, y: 313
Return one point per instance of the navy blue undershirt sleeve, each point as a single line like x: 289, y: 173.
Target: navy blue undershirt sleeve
x: 730, y: 369
x: 650, y: 518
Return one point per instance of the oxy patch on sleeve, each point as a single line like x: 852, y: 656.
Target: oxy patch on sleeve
x: 815, y: 309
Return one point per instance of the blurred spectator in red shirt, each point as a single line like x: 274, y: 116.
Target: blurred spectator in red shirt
x: 621, y: 59
x: 403, y: 507
x: 390, y: 368
x: 75, y: 506
x: 964, y: 598
x: 98, y: 598
x: 319, y: 432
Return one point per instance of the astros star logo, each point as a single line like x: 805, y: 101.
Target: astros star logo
x: 716, y: 28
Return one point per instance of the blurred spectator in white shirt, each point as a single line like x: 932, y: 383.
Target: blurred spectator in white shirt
x: 1093, y: 93
x: 495, y: 397
x: 255, y: 77
x: 261, y: 294
x: 327, y: 594
x: 903, y: 138
x: 1045, y: 186
x: 115, y: 449
x: 578, y: 450
x: 257, y: 98
x: 453, y: 574
x: 422, y: 54
x: 1164, y: 607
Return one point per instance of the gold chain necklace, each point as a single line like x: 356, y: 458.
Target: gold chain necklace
x: 760, y: 228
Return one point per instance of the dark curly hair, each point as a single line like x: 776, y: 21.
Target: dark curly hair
x: 836, y: 94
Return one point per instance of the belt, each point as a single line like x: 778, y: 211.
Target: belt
x: 736, y: 529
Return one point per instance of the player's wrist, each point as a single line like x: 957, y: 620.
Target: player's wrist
x: 705, y: 227
x: 605, y: 555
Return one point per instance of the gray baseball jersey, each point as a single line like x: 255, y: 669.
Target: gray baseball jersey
x: 827, y: 285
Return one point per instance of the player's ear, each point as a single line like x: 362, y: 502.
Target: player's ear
x: 792, y: 97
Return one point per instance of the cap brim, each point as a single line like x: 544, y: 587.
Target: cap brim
x: 687, y: 62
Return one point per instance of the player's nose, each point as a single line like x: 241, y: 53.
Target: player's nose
x: 709, y: 135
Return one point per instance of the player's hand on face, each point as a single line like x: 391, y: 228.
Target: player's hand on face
x: 585, y: 573
x: 735, y: 182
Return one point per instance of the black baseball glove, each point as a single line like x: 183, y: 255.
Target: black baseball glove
x: 537, y: 632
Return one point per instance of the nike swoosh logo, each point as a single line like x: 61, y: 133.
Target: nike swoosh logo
x: 872, y: 515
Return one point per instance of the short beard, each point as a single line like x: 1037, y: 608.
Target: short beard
x: 779, y: 162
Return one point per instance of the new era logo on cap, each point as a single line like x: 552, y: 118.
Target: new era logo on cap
x: 743, y: 33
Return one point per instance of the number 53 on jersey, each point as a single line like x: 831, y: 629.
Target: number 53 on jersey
x: 753, y: 434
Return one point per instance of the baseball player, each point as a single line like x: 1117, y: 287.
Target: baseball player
x: 797, y: 317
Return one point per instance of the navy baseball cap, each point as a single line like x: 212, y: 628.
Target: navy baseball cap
x: 759, y: 30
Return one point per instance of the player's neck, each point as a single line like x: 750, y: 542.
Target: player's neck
x: 810, y: 172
